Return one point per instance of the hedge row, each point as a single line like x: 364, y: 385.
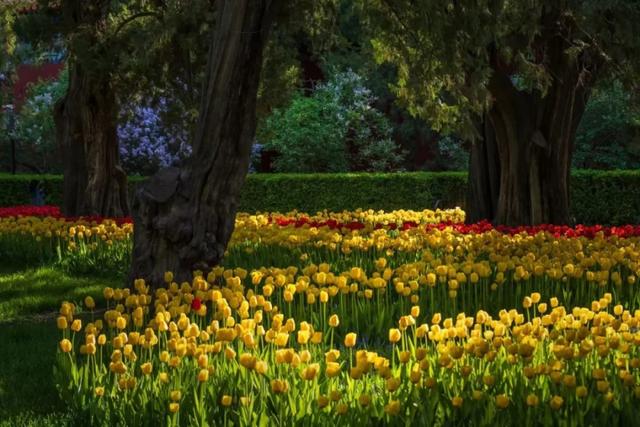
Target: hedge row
x: 603, y: 197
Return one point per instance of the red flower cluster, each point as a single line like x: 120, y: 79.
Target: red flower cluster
x: 589, y: 231
x: 27, y: 210
x: 579, y: 230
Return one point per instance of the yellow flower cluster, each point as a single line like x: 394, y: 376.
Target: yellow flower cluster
x: 48, y: 227
x: 364, y: 323
x: 107, y: 240
x: 369, y: 218
x: 216, y: 349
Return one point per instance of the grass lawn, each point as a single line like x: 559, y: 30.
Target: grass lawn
x: 29, y: 299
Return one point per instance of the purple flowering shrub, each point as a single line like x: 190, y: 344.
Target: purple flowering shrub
x: 148, y: 142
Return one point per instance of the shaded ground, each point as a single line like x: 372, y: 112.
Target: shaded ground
x: 29, y: 299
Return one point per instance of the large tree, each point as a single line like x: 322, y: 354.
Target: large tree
x: 118, y: 50
x: 513, y: 76
x: 184, y: 217
x: 86, y: 117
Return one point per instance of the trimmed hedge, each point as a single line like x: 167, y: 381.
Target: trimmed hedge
x: 606, y: 197
x: 15, y: 189
x: 598, y: 197
x: 336, y: 192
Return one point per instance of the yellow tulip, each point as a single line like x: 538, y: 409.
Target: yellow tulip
x: 392, y: 384
x: 261, y: 367
x: 556, y: 402
x: 76, y: 326
x: 279, y: 386
x: 341, y: 408
x: 203, y: 375
x: 323, y: 401
x: 502, y: 401
x: 146, y: 368
x: 394, y: 335
x: 66, y: 346
x: 332, y: 369
x: 393, y: 407
x: 582, y: 391
x: 350, y: 340
x: 334, y: 321
x: 62, y: 322
x: 310, y: 372
x: 247, y: 360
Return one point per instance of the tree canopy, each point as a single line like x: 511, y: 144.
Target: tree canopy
x: 447, y: 52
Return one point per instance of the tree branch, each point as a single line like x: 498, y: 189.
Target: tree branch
x: 134, y: 17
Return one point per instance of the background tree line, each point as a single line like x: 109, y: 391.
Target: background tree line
x: 154, y: 124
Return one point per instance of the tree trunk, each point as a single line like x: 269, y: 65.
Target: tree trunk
x: 528, y: 143
x: 484, y: 176
x: 527, y: 152
x: 184, y: 217
x: 86, y: 129
x: 94, y: 182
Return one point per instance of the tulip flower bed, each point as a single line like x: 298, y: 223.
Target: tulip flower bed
x: 88, y: 245
x: 257, y: 348
x: 388, y: 318
x: 406, y: 318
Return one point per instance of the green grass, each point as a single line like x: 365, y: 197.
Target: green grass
x: 27, y: 393
x: 40, y: 291
x: 29, y: 299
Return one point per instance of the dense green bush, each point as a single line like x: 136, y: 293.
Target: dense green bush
x: 609, y: 133
x: 598, y: 197
x: 334, y: 130
x: 34, y: 128
x: 306, y: 137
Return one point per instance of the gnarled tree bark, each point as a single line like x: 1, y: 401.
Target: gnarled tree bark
x: 484, y: 176
x: 528, y: 141
x: 94, y: 182
x: 184, y: 217
x: 86, y: 130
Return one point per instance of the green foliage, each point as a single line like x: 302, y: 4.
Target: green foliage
x: 451, y: 155
x: 307, y: 137
x: 34, y: 125
x: 8, y: 39
x: 280, y: 78
x: 608, y: 135
x: 336, y: 192
x: 598, y: 197
x: 605, y: 197
x: 14, y: 189
x: 446, y: 53
x: 334, y: 130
